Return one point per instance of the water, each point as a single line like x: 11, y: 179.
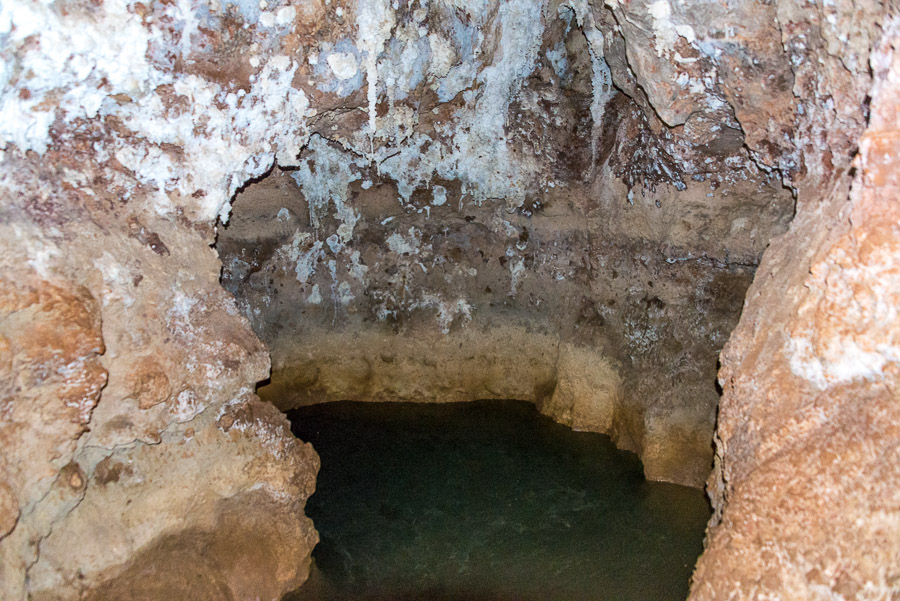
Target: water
x: 489, y: 501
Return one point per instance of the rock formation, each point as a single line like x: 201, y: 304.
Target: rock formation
x: 805, y: 485
x: 132, y: 439
x: 557, y: 201
x: 532, y: 233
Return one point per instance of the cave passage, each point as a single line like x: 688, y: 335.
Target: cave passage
x: 488, y: 500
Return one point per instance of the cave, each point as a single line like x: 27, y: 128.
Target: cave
x: 670, y: 226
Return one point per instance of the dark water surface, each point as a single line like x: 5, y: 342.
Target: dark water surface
x: 489, y: 501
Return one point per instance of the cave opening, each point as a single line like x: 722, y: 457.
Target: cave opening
x: 610, y: 344
x: 487, y: 500
x: 563, y: 232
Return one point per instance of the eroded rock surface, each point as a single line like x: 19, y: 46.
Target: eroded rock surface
x: 124, y: 358
x: 480, y: 240
x: 131, y: 436
x: 807, y: 466
x: 560, y: 201
x: 474, y: 302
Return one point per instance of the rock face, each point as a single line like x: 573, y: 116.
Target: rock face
x: 547, y: 239
x: 556, y: 201
x: 556, y: 307
x: 136, y: 458
x: 807, y: 466
x: 130, y: 429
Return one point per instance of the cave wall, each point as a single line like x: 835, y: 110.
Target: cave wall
x: 548, y: 239
x: 602, y: 328
x: 447, y: 318
x: 136, y: 456
x: 805, y: 484
x: 634, y: 142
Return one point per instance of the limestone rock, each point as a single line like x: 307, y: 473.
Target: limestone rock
x: 805, y: 479
x: 233, y: 536
x: 454, y: 305
x: 560, y: 201
x: 118, y: 344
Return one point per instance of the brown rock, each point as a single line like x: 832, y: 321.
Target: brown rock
x: 806, y: 471
x: 9, y: 510
x: 563, y: 203
x: 149, y: 383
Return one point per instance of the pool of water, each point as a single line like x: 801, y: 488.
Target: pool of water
x: 488, y: 501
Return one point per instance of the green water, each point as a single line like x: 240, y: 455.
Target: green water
x: 489, y: 501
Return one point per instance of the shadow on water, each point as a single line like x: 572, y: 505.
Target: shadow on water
x: 488, y: 501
